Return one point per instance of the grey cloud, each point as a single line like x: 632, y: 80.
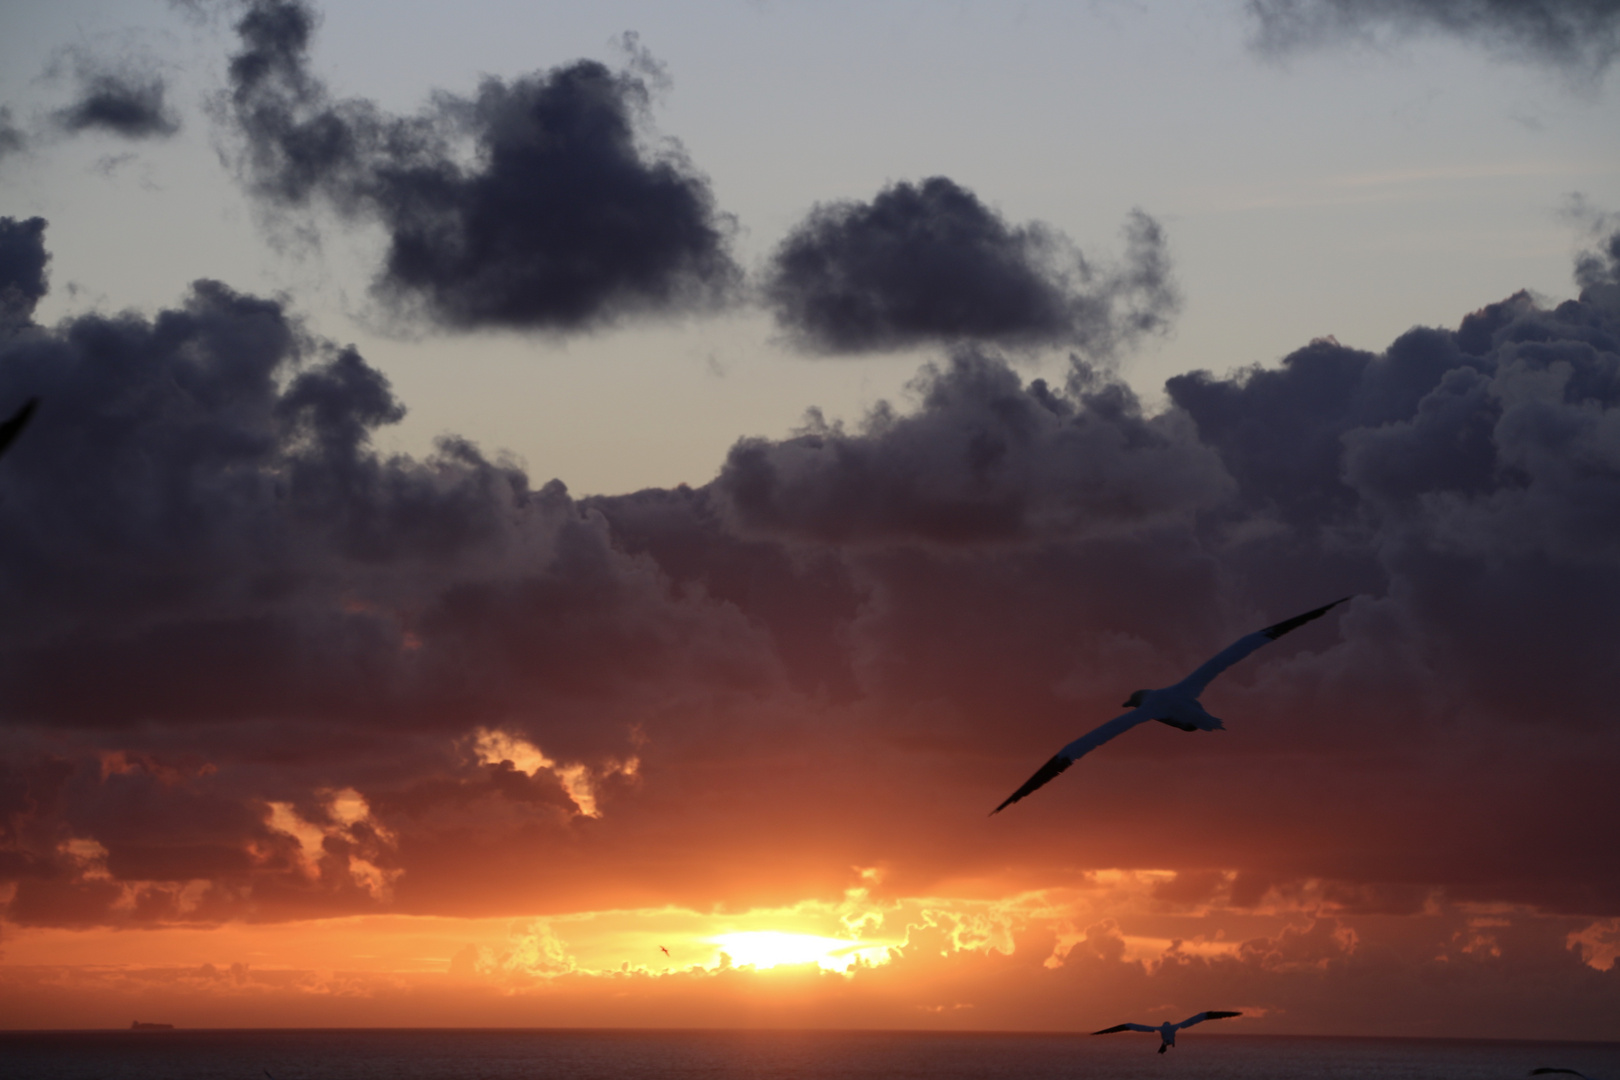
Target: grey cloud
x: 534, y: 204
x: 929, y: 262
x: 203, y: 557
x: 12, y: 139
x: 1577, y: 35
x: 22, y: 270
x: 1472, y: 471
x: 204, y: 562
x: 985, y: 460
x: 126, y: 103
x: 1598, y: 273
x: 229, y: 508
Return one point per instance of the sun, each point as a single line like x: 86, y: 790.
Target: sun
x: 762, y: 949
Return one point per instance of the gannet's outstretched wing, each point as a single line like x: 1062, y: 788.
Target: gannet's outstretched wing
x: 10, y: 429
x: 1568, y: 1072
x: 1074, y: 751
x: 1126, y: 1027
x: 1194, y: 684
x: 1201, y: 1017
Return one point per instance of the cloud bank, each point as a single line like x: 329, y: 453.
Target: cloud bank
x: 1581, y: 36
x: 539, y: 203
x: 252, y: 668
x: 927, y: 263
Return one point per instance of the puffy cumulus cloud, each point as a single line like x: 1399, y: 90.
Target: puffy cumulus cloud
x: 119, y: 99
x: 539, y: 203
x: 1597, y: 944
x: 22, y: 270
x: 521, y: 756
x: 929, y: 262
x: 1473, y: 471
x: 350, y: 834
x: 532, y: 951
x: 1598, y: 271
x: 985, y: 459
x: 239, y: 643
x: 1578, y: 35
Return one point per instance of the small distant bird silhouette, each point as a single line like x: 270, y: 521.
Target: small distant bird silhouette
x: 10, y: 429
x: 1174, y: 705
x: 665, y: 951
x: 1566, y: 1072
x: 1167, y: 1031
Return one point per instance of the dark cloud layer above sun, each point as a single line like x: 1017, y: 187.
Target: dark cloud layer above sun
x: 250, y: 664
x: 929, y: 262
x: 1576, y: 35
x: 537, y: 203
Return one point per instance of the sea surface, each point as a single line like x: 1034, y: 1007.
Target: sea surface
x: 401, y: 1054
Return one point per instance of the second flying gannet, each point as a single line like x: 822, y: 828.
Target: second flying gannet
x: 1174, y: 705
x: 1167, y: 1031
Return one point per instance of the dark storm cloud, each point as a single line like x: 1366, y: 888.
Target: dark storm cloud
x: 985, y: 459
x: 219, y: 604
x: 127, y: 103
x: 1471, y: 470
x: 202, y: 554
x: 925, y: 263
x: 22, y: 270
x: 227, y: 505
x: 534, y: 204
x: 1579, y: 35
x: 1597, y: 272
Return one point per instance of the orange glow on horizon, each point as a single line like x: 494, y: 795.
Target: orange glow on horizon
x: 1054, y: 959
x: 764, y: 949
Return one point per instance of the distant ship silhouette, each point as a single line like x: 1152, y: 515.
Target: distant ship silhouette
x: 139, y: 1025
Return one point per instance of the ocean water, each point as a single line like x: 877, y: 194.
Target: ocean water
x: 397, y: 1054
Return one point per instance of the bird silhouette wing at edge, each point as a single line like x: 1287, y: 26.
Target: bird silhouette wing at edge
x: 1074, y: 752
x: 1125, y: 1027
x: 1201, y: 1017
x: 1568, y: 1072
x: 10, y: 429
x: 1195, y: 683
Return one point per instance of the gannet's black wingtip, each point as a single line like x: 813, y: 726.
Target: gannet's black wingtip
x: 1278, y: 630
x: 1213, y: 1015
x: 1110, y: 1031
x: 1055, y: 765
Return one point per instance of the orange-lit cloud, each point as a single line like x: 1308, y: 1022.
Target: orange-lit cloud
x: 1063, y: 959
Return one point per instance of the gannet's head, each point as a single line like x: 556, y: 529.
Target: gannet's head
x: 1135, y: 700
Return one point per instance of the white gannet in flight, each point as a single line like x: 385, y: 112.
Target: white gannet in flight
x: 1174, y: 705
x: 1167, y: 1031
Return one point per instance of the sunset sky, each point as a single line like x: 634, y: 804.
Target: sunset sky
x: 564, y: 514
